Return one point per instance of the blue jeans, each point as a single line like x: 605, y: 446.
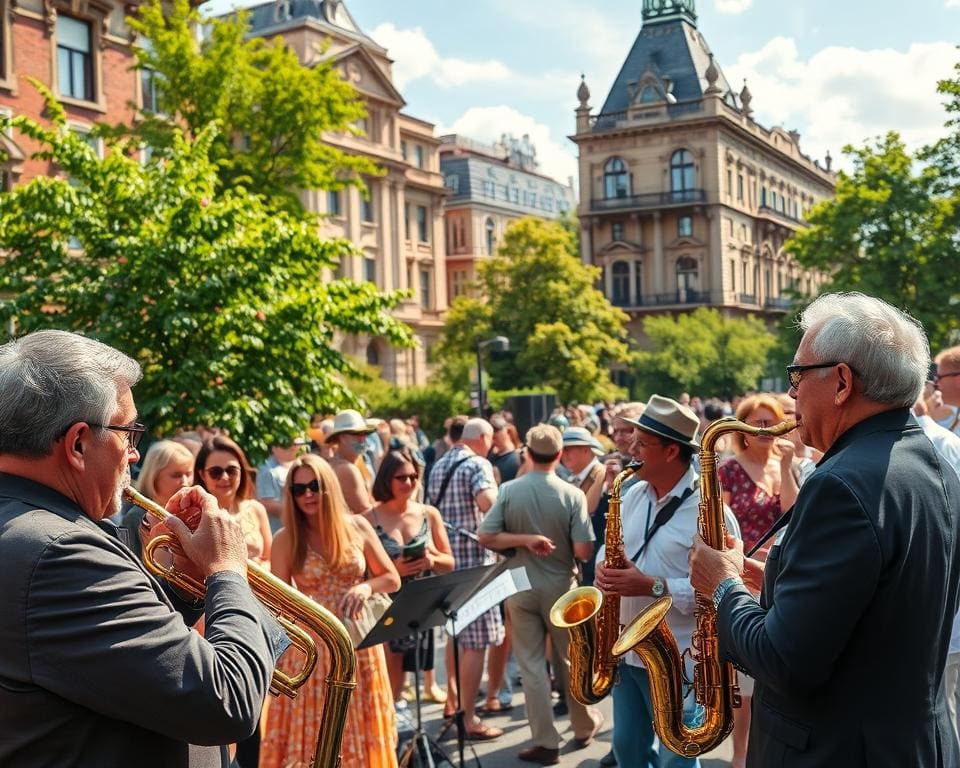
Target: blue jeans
x: 633, y: 733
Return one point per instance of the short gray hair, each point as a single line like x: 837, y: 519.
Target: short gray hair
x: 52, y: 379
x: 476, y: 428
x: 886, y: 348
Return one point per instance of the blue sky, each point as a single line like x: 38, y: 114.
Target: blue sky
x: 838, y: 71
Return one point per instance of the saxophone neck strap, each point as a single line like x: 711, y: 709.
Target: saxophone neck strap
x: 663, y: 517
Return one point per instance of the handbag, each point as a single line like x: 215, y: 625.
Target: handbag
x: 370, y: 614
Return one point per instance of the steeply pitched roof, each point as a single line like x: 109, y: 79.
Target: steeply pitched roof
x: 286, y: 12
x: 672, y: 49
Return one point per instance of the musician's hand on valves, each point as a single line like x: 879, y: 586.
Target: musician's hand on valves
x: 708, y: 566
x: 217, y: 544
x: 626, y: 582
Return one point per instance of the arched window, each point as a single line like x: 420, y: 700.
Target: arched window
x: 373, y: 354
x: 683, y: 175
x: 491, y: 240
x: 621, y: 284
x: 688, y: 279
x: 616, y: 180
x: 648, y: 94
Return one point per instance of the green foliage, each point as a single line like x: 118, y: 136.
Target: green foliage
x: 703, y: 352
x: 226, y: 302
x: 890, y: 234
x: 272, y: 111
x: 563, y: 332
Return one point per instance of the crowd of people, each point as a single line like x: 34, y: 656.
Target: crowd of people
x: 860, y: 576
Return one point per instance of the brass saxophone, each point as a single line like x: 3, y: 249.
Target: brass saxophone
x: 592, y: 619
x: 288, y: 606
x: 714, y: 681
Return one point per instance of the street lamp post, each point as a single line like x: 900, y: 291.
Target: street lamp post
x: 499, y: 343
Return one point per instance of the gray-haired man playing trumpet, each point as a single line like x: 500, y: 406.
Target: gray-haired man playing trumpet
x: 97, y: 667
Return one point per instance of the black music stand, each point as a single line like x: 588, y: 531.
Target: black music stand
x: 422, y: 604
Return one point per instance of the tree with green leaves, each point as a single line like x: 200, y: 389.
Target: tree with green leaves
x: 274, y: 113
x: 703, y: 352
x: 888, y: 233
x: 563, y: 332
x: 227, y: 303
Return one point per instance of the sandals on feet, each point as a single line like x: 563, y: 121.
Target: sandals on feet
x: 484, y: 733
x: 494, y: 707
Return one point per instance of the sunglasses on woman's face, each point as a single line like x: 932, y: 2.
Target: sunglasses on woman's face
x: 405, y: 478
x: 215, y: 473
x: 301, y: 488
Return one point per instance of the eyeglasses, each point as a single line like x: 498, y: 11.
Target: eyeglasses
x: 795, y: 372
x: 405, y: 478
x: 134, y: 432
x: 298, y: 489
x: 641, y: 444
x: 938, y: 376
x: 216, y: 473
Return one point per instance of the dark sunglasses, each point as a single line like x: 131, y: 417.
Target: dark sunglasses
x: 215, y: 473
x: 405, y: 478
x: 298, y: 489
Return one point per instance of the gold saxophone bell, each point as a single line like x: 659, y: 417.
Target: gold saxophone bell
x: 291, y: 609
x: 592, y: 618
x: 714, y: 681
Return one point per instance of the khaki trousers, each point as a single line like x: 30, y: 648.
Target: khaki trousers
x: 530, y: 622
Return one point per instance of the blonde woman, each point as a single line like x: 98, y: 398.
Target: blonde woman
x: 337, y: 559
x: 167, y: 467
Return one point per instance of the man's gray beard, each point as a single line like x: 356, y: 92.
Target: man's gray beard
x: 123, y: 482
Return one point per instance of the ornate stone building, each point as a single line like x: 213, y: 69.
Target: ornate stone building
x: 490, y: 186
x: 398, y: 228
x: 685, y: 200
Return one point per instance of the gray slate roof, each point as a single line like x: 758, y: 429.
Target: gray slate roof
x: 675, y: 49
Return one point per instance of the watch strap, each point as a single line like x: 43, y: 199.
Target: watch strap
x: 722, y: 588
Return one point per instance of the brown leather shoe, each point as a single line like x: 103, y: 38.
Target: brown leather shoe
x: 541, y: 755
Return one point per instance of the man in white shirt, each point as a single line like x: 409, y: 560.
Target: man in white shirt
x: 948, y: 446
x: 659, y: 519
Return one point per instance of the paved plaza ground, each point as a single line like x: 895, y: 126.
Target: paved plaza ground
x: 503, y: 751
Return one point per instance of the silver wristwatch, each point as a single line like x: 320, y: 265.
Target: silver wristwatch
x: 658, y: 587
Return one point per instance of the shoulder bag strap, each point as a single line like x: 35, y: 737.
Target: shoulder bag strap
x: 662, y: 518
x: 446, y: 482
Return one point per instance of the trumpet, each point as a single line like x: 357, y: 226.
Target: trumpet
x: 289, y: 607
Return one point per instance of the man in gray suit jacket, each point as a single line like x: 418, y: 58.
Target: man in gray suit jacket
x: 97, y: 667
x: 849, y: 641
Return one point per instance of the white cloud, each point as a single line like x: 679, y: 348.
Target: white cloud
x: 733, y: 7
x: 416, y: 57
x: 488, y: 124
x: 953, y: 3
x: 846, y: 95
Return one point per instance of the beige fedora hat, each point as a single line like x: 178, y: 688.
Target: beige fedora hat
x: 349, y: 421
x: 670, y: 420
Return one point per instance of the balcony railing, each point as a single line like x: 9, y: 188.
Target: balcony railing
x: 778, y: 303
x: 746, y: 298
x: 694, y: 298
x: 650, y: 200
x: 786, y: 217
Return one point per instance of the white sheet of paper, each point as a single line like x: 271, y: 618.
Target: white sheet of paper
x: 499, y: 589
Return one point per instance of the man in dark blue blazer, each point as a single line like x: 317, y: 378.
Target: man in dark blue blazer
x: 97, y: 667
x: 849, y: 640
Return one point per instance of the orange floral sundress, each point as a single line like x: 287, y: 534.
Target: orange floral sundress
x: 370, y: 734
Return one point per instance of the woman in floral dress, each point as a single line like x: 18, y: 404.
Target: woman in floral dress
x: 335, y: 558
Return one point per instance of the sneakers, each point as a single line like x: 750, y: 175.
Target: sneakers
x: 404, y: 717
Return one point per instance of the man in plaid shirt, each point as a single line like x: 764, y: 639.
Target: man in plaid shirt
x: 468, y: 495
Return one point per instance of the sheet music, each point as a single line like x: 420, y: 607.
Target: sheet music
x: 510, y: 582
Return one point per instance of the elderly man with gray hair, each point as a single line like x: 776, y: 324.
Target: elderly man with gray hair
x: 849, y: 640
x: 97, y: 665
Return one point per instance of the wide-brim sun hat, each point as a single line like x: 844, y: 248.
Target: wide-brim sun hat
x: 670, y: 420
x: 349, y: 421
